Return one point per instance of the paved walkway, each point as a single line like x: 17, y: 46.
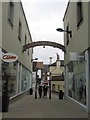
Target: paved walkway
x: 29, y: 107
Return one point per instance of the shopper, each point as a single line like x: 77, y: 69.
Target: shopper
x: 40, y: 91
x: 45, y: 91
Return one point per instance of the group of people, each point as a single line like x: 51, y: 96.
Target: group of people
x: 42, y: 89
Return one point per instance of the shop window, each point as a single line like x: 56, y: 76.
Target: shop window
x: 26, y: 77
x: 9, y: 78
x: 76, y: 81
x: 19, y: 31
x: 70, y: 66
x: 11, y: 12
x: 79, y: 12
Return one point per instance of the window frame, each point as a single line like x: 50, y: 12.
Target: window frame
x: 19, y: 30
x: 25, y: 39
x: 67, y: 35
x: 11, y: 13
x: 28, y: 50
x: 79, y: 13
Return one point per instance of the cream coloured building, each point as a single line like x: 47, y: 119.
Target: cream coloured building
x: 56, y: 71
x: 77, y: 57
x: 15, y: 34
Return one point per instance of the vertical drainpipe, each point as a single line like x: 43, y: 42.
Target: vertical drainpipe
x: 17, y: 78
x: 20, y: 76
x: 65, y: 80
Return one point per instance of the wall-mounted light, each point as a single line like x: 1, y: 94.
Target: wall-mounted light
x: 34, y: 59
x: 61, y: 30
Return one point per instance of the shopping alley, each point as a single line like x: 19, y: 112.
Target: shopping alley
x: 29, y: 107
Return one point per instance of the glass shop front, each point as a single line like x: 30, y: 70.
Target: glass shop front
x: 16, y: 76
x: 76, y: 80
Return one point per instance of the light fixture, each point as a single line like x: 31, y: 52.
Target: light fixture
x: 61, y: 30
x: 34, y: 59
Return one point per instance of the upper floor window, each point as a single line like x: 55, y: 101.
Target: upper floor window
x: 25, y: 39
x: 19, y: 30
x: 79, y: 12
x: 28, y: 51
x: 67, y: 35
x: 11, y: 12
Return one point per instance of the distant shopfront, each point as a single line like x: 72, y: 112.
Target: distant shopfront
x: 18, y: 77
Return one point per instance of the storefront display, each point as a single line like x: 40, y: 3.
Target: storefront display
x: 25, y: 82
x: 18, y: 78
x: 76, y: 80
x: 9, y: 70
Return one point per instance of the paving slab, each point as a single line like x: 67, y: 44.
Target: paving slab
x: 29, y: 107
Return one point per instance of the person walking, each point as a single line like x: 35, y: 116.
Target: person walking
x: 45, y: 91
x: 40, y: 91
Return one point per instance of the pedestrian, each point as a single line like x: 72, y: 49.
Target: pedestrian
x: 61, y: 93
x: 40, y: 91
x: 45, y: 91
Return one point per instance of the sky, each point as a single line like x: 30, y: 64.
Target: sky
x: 43, y: 18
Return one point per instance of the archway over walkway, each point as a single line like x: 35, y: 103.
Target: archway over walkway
x: 44, y: 43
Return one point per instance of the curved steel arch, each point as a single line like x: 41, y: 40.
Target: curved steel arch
x: 43, y: 43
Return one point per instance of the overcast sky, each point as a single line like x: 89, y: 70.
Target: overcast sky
x: 44, y: 17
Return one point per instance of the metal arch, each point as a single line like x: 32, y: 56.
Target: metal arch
x: 43, y: 43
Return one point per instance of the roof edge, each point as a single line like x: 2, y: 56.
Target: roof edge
x: 66, y: 10
x: 25, y: 19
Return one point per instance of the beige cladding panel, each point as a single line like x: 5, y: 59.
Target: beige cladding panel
x: 10, y: 42
x: 79, y: 40
x: 89, y: 24
x: 0, y: 24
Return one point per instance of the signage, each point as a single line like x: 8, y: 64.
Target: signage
x: 77, y: 56
x: 9, y: 57
x: 44, y: 82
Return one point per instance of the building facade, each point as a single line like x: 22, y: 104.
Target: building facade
x: 77, y: 56
x: 56, y: 72
x: 15, y: 34
x: 45, y: 72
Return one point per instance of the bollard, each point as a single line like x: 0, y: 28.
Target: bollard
x: 35, y: 94
x: 5, y: 103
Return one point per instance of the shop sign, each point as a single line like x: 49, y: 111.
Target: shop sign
x: 77, y: 56
x: 9, y: 57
